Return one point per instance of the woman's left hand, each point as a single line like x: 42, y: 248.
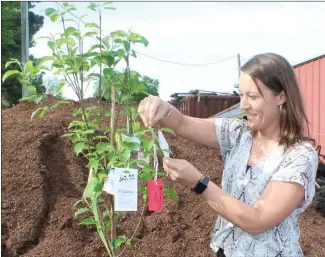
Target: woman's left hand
x: 181, y: 171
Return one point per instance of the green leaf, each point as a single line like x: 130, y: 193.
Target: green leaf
x: 76, y: 203
x: 69, y: 31
x: 30, y: 68
x: 88, y: 221
x: 54, y: 17
x: 143, y: 40
x: 107, y: 3
x: 143, y: 163
x: 95, y: 47
x: 92, y: 25
x: 31, y: 90
x: 10, y: 62
x: 121, y: 53
x: 145, y: 177
x: 127, y: 46
x: 90, y: 33
x: 49, y: 11
x: 124, y: 156
x: 79, y: 147
x: 93, y: 164
x: 80, y: 211
x: 92, y: 186
x: 87, y: 132
x: 171, y: 193
x: 118, y: 41
x: 95, y: 60
x: 119, y: 241
x: 10, y: 73
x: 98, y: 223
x: 148, y: 145
x: 35, y: 112
x: 144, y: 192
x: 133, y: 54
x: 110, y: 8
x: 92, y: 6
x: 131, y: 146
x: 102, y: 147
x: 51, y: 45
x: 168, y: 130
x: 43, y: 111
x: 45, y: 59
x: 59, y: 89
x: 109, y: 60
x: 76, y: 123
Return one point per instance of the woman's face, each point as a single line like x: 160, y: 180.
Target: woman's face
x: 262, y: 110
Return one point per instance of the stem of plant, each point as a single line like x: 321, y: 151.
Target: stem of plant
x: 100, y: 68
x: 113, y: 125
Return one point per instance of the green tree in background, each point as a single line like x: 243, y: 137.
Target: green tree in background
x: 11, y: 46
x: 136, y: 82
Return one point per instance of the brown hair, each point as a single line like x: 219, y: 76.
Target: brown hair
x: 276, y: 73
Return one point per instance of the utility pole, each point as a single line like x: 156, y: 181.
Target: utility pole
x: 24, y: 40
x: 239, y: 65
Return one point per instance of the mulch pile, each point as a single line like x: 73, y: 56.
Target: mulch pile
x: 42, y: 179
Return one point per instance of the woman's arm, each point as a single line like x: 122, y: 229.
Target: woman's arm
x: 277, y: 202
x: 288, y: 187
x: 152, y: 109
x: 197, y: 130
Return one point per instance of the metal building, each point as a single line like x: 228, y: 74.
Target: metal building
x: 311, y: 80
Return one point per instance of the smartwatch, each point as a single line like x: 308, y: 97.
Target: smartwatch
x: 201, y: 185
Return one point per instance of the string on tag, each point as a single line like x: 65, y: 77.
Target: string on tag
x: 128, y: 123
x: 155, y: 162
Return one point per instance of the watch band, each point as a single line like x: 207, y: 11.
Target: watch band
x: 201, y: 185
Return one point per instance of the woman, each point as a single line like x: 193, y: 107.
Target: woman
x: 269, y: 171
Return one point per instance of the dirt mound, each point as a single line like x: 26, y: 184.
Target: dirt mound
x: 42, y: 179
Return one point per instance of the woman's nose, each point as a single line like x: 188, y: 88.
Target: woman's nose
x: 244, y: 105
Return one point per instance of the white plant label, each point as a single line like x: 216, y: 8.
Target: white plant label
x: 163, y: 144
x: 110, y: 184
x: 126, y: 197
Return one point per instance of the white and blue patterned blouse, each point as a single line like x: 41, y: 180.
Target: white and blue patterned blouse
x: 298, y: 164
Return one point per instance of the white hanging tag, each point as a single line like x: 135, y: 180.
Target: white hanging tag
x: 155, y: 162
x: 163, y: 144
x: 126, y: 198
x: 110, y: 183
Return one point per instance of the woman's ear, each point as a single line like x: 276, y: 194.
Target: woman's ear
x: 282, y: 98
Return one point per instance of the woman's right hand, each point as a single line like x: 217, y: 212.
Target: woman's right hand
x: 152, y: 109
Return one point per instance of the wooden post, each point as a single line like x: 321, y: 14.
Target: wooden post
x: 24, y: 40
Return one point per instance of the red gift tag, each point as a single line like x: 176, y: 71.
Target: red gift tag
x: 155, y: 195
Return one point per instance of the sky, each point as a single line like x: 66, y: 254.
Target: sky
x: 204, y: 32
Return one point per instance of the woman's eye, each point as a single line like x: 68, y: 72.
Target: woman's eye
x: 253, y: 97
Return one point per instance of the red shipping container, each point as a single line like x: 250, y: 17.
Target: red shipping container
x: 311, y: 80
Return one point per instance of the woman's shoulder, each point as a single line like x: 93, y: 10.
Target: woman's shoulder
x: 301, y: 148
x: 302, y: 153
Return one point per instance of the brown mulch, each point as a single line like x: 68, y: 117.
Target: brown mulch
x: 42, y: 179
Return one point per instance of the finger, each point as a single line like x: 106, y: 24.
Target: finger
x: 152, y: 112
x: 171, y: 163
x: 141, y: 105
x: 145, y: 122
x: 172, y: 176
x: 146, y: 110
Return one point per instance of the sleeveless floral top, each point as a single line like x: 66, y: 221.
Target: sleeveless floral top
x: 298, y: 164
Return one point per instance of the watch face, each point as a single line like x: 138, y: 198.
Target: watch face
x: 201, y: 185
x: 205, y: 181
